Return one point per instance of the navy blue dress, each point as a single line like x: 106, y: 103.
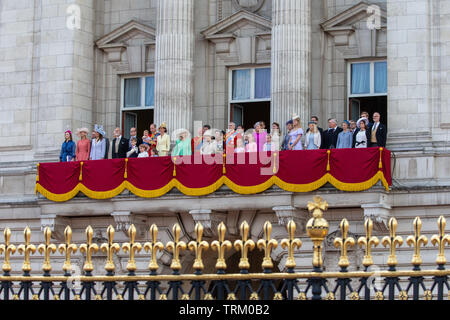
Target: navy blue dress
x: 67, y: 149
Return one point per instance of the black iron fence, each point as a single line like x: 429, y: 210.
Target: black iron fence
x: 389, y: 284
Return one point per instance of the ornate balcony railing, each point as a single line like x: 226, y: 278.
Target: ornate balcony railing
x: 392, y: 284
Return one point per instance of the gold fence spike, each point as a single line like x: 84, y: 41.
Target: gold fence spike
x: 7, y: 249
x: 267, y: 244
x: 221, y: 246
x: 141, y: 297
x: 162, y: 296
x: 392, y: 241
x: 88, y: 249
x: 176, y: 246
x: 417, y: 240
x: 110, y: 248
x: 344, y: 243
x: 244, y: 245
x: 291, y: 243
x: 208, y: 296
x: 68, y: 248
x: 317, y: 228
x: 379, y: 295
x: 153, y: 247
x: 278, y: 296
x: 185, y: 296
x: 47, y: 248
x: 301, y: 296
x: 368, y: 241
x: 254, y: 296
x: 132, y: 248
x: 330, y: 296
x: 441, y: 240
x: 198, y: 246
x: 26, y: 249
x: 354, y: 296
x: 427, y: 295
x: 231, y: 296
x: 403, y: 295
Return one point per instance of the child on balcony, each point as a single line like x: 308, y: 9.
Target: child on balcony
x: 133, y: 152
x: 143, y: 151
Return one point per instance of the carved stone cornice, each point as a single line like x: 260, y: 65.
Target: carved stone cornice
x: 209, y: 219
x: 57, y: 225
x: 124, y: 219
x: 379, y: 213
x: 288, y: 213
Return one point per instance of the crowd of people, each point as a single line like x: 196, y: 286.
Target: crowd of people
x: 157, y: 142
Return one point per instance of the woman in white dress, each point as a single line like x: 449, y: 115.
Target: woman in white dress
x: 361, y: 135
x: 295, y: 135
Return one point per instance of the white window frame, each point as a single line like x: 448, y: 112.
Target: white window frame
x: 122, y: 93
x: 372, y: 79
x: 252, y: 84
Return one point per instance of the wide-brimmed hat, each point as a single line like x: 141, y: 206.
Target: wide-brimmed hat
x: 362, y: 119
x: 99, y: 129
x: 80, y: 130
x: 295, y: 117
x: 208, y: 133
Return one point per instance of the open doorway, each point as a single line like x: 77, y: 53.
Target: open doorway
x: 140, y: 119
x: 247, y: 114
x: 369, y: 104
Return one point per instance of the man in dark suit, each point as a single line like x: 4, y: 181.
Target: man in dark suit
x: 133, y: 134
x: 330, y: 136
x: 119, y: 145
x: 377, y: 132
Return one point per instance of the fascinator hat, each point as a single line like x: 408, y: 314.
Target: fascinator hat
x: 295, y: 117
x: 99, y: 129
x: 80, y: 130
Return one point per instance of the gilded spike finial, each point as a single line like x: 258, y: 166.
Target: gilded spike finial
x: 153, y: 247
x: 317, y: 228
x: 68, y: 248
x: 221, y: 246
x: 344, y: 243
x: 198, y: 246
x: 291, y: 244
x: 267, y: 244
x: 417, y: 240
x: 244, y: 246
x: 176, y: 246
x: 47, y: 248
x: 88, y: 249
x: 392, y: 241
x: 368, y: 241
x: 26, y: 249
x: 110, y: 248
x: 441, y: 240
x: 8, y: 249
x: 132, y: 247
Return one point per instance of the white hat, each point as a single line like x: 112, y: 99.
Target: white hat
x: 362, y: 119
x: 295, y: 117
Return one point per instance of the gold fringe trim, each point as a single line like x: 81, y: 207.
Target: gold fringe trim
x: 81, y: 171
x: 380, y: 164
x: 328, y: 163
x: 100, y: 195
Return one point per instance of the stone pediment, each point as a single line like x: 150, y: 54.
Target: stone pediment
x: 130, y: 47
x: 347, y: 22
x: 126, y: 33
x: 237, y: 24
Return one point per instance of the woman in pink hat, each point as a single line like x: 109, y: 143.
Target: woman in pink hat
x: 83, y: 145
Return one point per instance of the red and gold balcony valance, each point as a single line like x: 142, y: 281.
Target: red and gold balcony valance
x: 246, y: 173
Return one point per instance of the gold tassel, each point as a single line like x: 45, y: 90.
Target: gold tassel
x: 37, y: 176
x: 174, y: 166
x: 328, y: 164
x: 125, y: 175
x: 224, y: 163
x: 81, y: 171
x: 380, y: 164
x: 274, y: 163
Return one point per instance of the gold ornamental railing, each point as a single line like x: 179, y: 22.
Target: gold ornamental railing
x: 389, y: 284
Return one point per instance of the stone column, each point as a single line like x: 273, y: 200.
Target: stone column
x: 291, y: 60
x: 174, y: 63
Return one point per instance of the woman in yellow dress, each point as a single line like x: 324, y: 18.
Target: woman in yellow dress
x: 163, y: 141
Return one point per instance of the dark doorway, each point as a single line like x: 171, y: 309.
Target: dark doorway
x: 141, y: 119
x: 247, y: 114
x: 369, y: 104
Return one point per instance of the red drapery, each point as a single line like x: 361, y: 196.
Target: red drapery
x: 245, y: 173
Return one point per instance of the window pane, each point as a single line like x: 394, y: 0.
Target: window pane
x: 132, y: 95
x: 262, y: 83
x: 360, y: 78
x: 149, y: 91
x: 241, y: 84
x: 381, y: 77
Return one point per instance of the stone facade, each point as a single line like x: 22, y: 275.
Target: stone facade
x: 62, y: 63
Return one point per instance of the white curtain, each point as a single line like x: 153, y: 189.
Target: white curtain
x: 262, y: 83
x: 241, y: 84
x: 360, y: 78
x: 381, y: 77
x: 132, y: 93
